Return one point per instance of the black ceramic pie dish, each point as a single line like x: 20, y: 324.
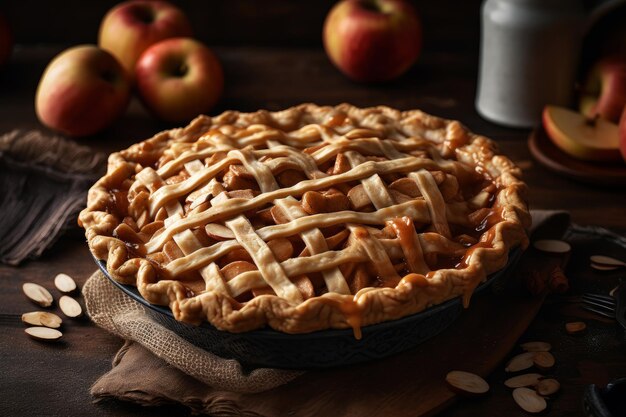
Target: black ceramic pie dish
x: 321, y: 349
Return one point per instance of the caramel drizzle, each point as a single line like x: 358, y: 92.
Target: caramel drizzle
x: 238, y: 206
x: 410, y: 244
x: 168, y: 192
x: 433, y: 209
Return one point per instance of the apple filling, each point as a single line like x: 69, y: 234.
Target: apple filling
x: 355, y: 215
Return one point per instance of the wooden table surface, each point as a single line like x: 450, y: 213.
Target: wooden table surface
x: 54, y: 379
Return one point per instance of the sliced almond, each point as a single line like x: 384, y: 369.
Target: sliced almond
x: 42, y: 318
x: 51, y: 320
x: 520, y: 362
x: 536, y: 346
x: 600, y: 267
x: 606, y: 261
x: 70, y: 307
x: 575, y: 327
x: 548, y: 386
x: 38, y: 294
x: 543, y: 360
x: 43, y: 333
x: 552, y: 246
x: 525, y: 380
x: 467, y: 383
x: 33, y: 318
x: 529, y: 400
x: 65, y: 283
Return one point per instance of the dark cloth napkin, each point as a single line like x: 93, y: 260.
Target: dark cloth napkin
x: 43, y: 185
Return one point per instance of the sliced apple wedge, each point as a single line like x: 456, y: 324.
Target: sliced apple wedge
x: 580, y: 137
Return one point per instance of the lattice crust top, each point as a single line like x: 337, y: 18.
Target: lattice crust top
x: 308, y: 218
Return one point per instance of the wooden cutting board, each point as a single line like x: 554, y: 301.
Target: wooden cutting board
x: 411, y: 383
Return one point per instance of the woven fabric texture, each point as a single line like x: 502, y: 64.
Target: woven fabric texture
x: 113, y: 310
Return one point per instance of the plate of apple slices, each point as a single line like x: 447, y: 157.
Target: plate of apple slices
x: 580, y: 147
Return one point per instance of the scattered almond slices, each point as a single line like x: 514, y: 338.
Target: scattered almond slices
x: 543, y: 360
x: 575, y: 327
x: 65, y: 283
x: 599, y: 267
x: 467, y: 383
x: 548, y: 386
x: 536, y: 346
x: 70, y: 307
x: 520, y: 362
x: 46, y: 323
x: 606, y: 261
x: 43, y: 333
x: 42, y: 318
x: 37, y: 294
x: 529, y: 400
x: 552, y: 246
x: 525, y: 380
x: 532, y: 400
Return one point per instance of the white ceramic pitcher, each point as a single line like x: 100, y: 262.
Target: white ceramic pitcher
x: 529, y: 56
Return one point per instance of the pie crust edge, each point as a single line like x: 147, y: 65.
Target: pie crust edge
x: 330, y: 310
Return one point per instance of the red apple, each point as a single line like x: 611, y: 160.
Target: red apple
x: 604, y: 92
x: 129, y: 28
x: 372, y: 40
x: 179, y: 79
x: 6, y: 41
x: 581, y: 137
x: 82, y: 91
x: 622, y: 134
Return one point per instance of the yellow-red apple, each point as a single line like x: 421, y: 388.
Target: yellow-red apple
x: 581, y: 137
x: 6, y: 41
x: 622, y: 134
x: 372, y: 40
x: 82, y: 91
x: 604, y: 92
x: 129, y: 28
x: 178, y: 79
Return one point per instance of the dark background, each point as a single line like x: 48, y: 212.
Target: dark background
x: 280, y: 42
x: 265, y: 48
x: 235, y: 22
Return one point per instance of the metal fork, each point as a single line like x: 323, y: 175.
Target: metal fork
x: 607, y: 306
x: 603, y: 305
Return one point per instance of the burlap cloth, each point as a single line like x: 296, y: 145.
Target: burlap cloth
x: 116, y: 312
x: 155, y: 366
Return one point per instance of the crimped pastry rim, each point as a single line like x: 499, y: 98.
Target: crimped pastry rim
x: 218, y: 309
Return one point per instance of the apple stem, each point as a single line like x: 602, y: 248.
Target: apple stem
x: 182, y: 70
x: 592, y: 121
x: 109, y: 76
x: 371, y: 5
x: 144, y: 14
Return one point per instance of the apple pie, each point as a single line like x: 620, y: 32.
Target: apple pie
x: 308, y: 218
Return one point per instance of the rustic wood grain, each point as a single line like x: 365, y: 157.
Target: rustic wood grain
x: 412, y: 383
